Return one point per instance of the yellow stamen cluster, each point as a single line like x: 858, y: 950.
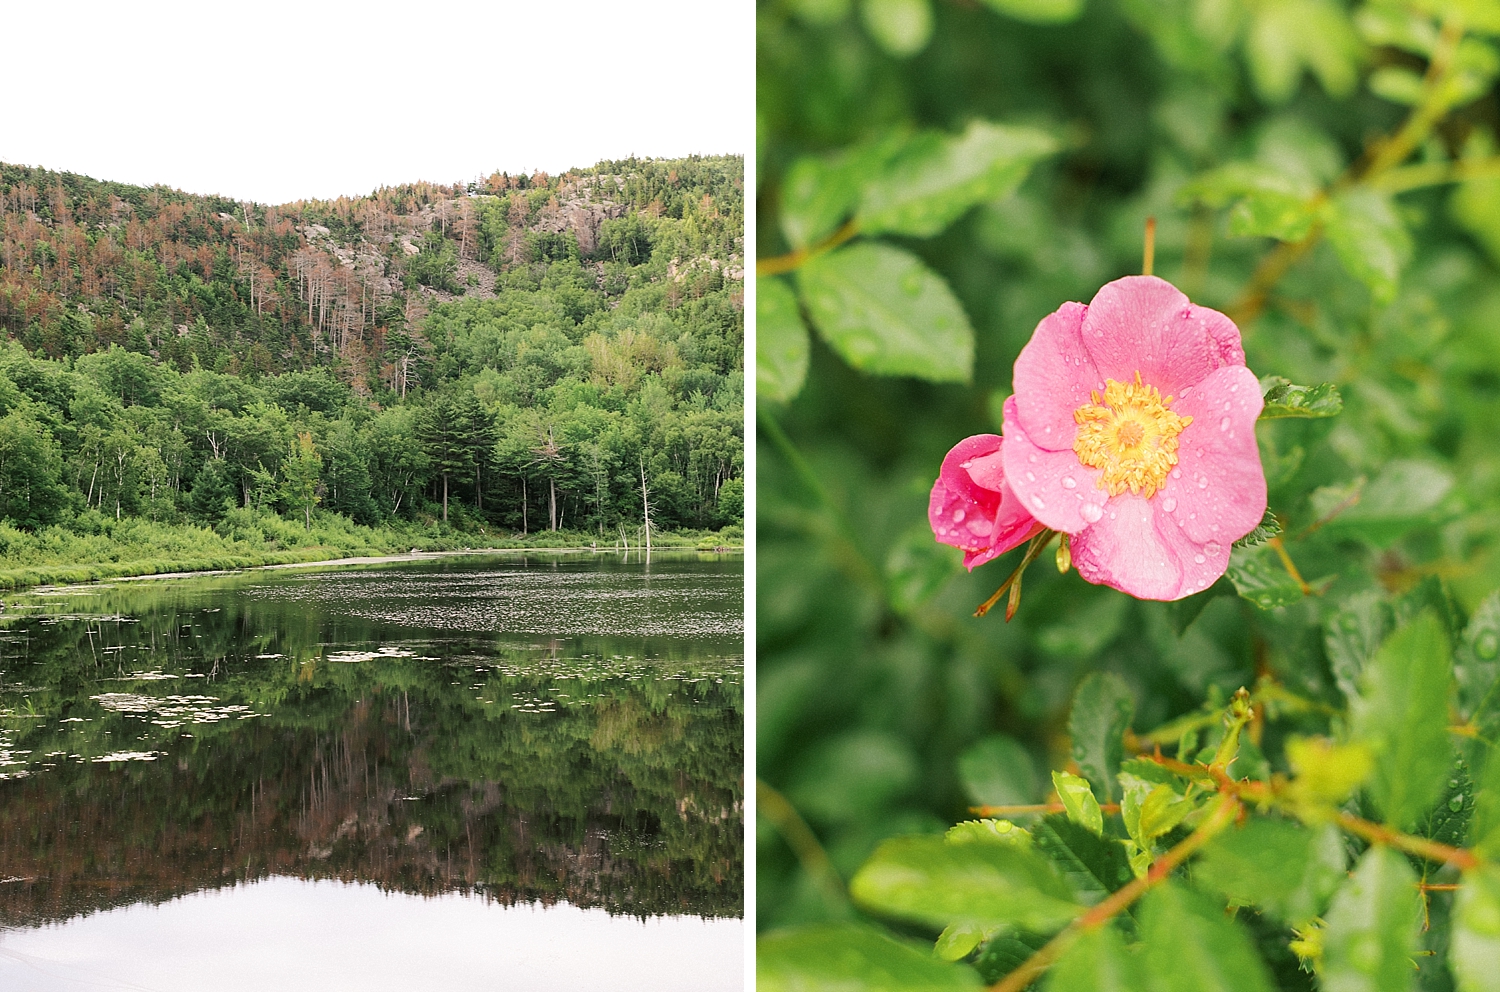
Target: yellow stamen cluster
x: 1130, y: 435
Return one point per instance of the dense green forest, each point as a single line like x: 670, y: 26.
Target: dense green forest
x: 520, y: 354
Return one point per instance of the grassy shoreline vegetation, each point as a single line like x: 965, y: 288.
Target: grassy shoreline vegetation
x: 191, y: 382
x: 93, y: 547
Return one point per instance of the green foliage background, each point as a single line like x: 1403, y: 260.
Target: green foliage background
x: 934, y: 178
x: 515, y: 353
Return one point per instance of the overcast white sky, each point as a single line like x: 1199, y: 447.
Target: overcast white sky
x: 278, y: 100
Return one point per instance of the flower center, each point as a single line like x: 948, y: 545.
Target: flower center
x: 1130, y: 435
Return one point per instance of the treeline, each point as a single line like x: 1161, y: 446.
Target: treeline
x: 529, y: 352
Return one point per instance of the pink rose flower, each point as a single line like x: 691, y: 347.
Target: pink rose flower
x: 971, y: 506
x: 1132, y: 428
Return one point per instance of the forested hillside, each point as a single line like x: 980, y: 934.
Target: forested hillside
x: 517, y: 353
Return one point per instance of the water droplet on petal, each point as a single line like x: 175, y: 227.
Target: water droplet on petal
x: 958, y: 516
x: 1202, y: 482
x: 966, y: 464
x: 1031, y: 458
x: 1199, y: 559
x: 1090, y: 512
x: 1224, y: 424
x: 1030, y: 476
x: 1068, y: 482
x: 1036, y: 501
x: 1177, y: 473
x: 1169, y: 504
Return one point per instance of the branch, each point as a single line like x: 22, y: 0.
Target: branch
x: 794, y: 260
x: 1100, y: 914
x: 1420, y: 846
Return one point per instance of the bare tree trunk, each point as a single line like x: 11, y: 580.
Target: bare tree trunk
x: 552, y: 504
x: 523, y: 506
x: 646, y: 509
x: 445, y: 497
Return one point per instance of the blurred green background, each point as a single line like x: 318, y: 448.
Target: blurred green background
x: 884, y: 707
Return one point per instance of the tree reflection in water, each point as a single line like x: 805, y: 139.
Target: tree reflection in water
x: 162, y: 738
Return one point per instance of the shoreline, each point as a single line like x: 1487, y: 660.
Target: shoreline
x: 414, y: 555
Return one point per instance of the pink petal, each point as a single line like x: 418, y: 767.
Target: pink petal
x: 972, y: 508
x: 1123, y: 550
x: 1217, y: 492
x: 962, y: 512
x: 1051, y: 485
x: 1200, y: 565
x: 1138, y: 549
x: 1145, y: 324
x: 1053, y: 377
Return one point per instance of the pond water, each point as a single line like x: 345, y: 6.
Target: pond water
x: 507, y: 771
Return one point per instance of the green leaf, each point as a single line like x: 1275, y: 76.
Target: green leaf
x: 1372, y: 927
x: 1078, y: 799
x: 939, y: 177
x: 1267, y: 201
x: 1369, y: 238
x: 1150, y: 809
x: 1259, y: 576
x: 999, y: 772
x: 1448, y: 823
x: 1102, y: 710
x: 901, y: 27
x: 1394, y: 27
x: 1189, y: 945
x: 925, y: 880
x: 1475, y: 951
x: 1183, y: 612
x: 1402, y: 713
x: 1276, y: 865
x: 851, y: 958
x: 917, y: 567
x: 958, y: 941
x: 1282, y: 399
x: 1288, y: 35
x: 1484, y: 825
x: 820, y: 191
x: 780, y: 341
x: 1476, y: 206
x: 1098, y: 961
x: 886, y: 313
x: 1038, y: 11
x: 1095, y: 866
x: 1268, y: 528
x: 1398, y: 85
x: 987, y: 831
x: 1477, y: 667
x: 1406, y: 494
x: 1351, y: 636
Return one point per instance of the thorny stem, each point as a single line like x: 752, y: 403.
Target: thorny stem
x: 1233, y: 794
x: 1420, y: 846
x: 794, y: 260
x: 803, y: 842
x: 1101, y: 913
x: 1025, y: 808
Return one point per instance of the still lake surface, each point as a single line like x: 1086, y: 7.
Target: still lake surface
x: 515, y: 771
